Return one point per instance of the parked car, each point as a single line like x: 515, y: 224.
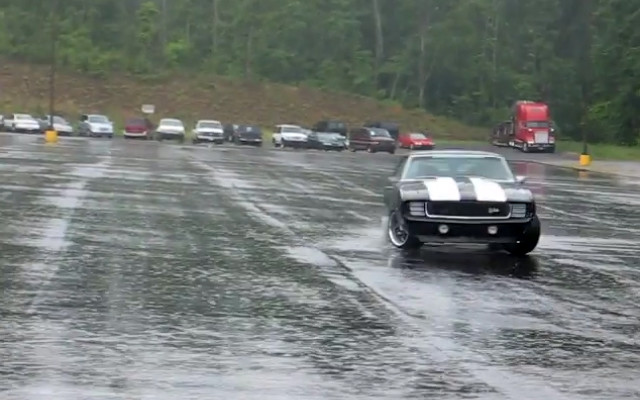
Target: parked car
x: 289, y: 135
x: 248, y: 134
x: 95, y: 125
x: 229, y: 131
x: 326, y: 141
x: 22, y: 123
x: 392, y: 127
x: 170, y: 128
x: 415, y: 140
x: 371, y: 139
x: 60, y: 125
x: 138, y: 127
x: 334, y: 126
x: 460, y: 196
x: 208, y: 130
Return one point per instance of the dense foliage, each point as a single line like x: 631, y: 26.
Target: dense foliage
x: 469, y: 59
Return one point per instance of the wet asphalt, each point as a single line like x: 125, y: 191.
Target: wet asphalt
x: 145, y: 270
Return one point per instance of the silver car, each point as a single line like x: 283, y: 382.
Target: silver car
x: 60, y: 125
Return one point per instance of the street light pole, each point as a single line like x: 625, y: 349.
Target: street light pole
x: 52, y: 73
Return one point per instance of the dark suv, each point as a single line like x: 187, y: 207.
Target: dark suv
x: 248, y: 134
x: 332, y: 126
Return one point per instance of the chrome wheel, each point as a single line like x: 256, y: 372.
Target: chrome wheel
x: 397, y: 230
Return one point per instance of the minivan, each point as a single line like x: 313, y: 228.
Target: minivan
x: 372, y: 140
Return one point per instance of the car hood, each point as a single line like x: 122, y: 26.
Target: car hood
x: 293, y: 136
x: 100, y: 125
x: 332, y: 138
x: 171, y: 128
x: 421, y: 141
x: 209, y: 130
x: 62, y: 126
x: 27, y: 122
x: 463, y: 188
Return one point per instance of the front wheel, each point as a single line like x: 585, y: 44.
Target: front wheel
x: 399, y: 234
x: 527, y: 241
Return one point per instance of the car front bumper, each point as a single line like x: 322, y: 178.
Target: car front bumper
x: 210, y: 138
x: 333, y: 146
x: 294, y: 143
x: 170, y: 135
x: 422, y: 146
x: 245, y: 140
x: 540, y: 146
x: 468, y: 231
x: 135, y: 134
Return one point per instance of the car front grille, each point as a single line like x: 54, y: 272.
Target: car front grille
x: 469, y: 210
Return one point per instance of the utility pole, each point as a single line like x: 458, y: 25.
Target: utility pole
x: 52, y: 73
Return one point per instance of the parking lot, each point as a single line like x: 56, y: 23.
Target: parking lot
x: 138, y: 269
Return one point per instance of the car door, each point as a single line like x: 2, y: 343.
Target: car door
x: 392, y: 183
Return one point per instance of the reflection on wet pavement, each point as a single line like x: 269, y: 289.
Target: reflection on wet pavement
x: 159, y: 271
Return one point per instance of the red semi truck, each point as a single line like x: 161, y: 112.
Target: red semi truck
x: 530, y: 128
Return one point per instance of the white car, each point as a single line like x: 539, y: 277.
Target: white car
x: 208, y: 130
x: 170, y: 128
x: 22, y: 123
x: 286, y: 135
x: 95, y: 125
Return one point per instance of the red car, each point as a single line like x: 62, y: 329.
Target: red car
x: 415, y: 140
x: 139, y: 127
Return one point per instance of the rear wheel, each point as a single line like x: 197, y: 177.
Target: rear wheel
x: 399, y: 234
x: 528, y: 240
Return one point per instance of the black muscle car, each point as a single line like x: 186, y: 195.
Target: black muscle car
x: 248, y: 134
x: 326, y: 141
x: 460, y: 197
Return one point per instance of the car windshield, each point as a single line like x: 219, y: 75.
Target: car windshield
x: 489, y: 167
x: 291, y: 129
x: 170, y: 122
x: 58, y: 120
x: 250, y: 128
x: 23, y: 116
x: 210, y: 125
x: 418, y: 136
x: 98, y: 118
x: 336, y: 125
x: 379, y: 132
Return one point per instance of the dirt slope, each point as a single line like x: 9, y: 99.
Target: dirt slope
x: 25, y: 87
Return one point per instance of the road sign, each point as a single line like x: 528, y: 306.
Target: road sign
x: 148, y: 108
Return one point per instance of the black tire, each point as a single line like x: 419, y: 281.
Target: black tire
x: 398, y: 232
x: 528, y: 239
x: 392, y: 151
x: 370, y: 150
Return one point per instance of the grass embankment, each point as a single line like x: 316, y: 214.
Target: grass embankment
x: 191, y: 97
x: 602, y: 151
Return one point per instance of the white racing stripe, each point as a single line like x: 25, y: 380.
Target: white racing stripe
x: 442, y: 189
x: 487, y: 190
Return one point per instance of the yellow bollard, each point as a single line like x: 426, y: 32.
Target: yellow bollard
x: 51, y: 136
x: 585, y: 160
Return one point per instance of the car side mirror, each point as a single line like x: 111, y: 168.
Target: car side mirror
x: 521, y: 179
